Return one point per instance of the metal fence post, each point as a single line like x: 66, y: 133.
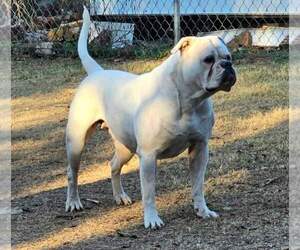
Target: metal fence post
x: 176, y: 21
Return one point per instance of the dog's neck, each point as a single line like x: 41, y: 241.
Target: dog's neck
x: 189, y: 94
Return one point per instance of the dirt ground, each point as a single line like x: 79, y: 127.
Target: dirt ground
x: 247, y: 179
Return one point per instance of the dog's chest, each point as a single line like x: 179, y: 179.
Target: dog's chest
x: 187, y: 130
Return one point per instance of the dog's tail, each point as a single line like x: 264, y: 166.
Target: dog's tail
x: 89, y: 64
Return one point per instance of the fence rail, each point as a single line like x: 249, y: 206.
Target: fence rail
x: 52, y: 27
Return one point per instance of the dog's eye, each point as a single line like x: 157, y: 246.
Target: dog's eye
x: 209, y: 59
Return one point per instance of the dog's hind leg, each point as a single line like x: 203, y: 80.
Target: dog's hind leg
x: 76, y: 135
x: 122, y: 156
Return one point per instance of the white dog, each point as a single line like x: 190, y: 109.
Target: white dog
x: 154, y: 115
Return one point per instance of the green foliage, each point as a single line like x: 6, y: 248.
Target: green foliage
x: 70, y: 49
x: 151, y: 51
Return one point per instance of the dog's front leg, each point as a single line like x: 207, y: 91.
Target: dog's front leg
x: 198, y: 159
x: 147, y: 176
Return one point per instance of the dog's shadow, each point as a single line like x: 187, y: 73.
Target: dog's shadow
x: 97, y: 200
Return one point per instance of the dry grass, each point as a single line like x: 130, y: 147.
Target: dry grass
x: 246, y: 182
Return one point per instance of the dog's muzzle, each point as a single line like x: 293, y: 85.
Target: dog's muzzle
x: 228, y: 77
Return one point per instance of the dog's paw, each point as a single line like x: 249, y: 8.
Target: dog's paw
x: 73, y: 204
x: 152, y: 220
x: 205, y: 213
x: 122, y: 198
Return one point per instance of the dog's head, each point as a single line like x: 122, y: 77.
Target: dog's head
x: 207, y: 62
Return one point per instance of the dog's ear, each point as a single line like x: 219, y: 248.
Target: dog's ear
x: 183, y: 44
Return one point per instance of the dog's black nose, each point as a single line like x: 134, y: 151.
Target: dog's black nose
x: 226, y: 64
x: 231, y: 79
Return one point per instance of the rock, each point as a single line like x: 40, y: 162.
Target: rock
x: 33, y: 37
x: 44, y: 48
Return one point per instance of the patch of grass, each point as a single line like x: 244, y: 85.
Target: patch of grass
x: 245, y: 55
x: 247, y: 178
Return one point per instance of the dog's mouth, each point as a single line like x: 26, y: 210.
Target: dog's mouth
x: 212, y: 89
x: 227, y: 88
x: 228, y: 79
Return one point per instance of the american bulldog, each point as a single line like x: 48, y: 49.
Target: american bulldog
x: 155, y: 115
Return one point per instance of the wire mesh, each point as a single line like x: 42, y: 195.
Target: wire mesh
x: 52, y: 27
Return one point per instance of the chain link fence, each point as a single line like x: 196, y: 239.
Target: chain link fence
x: 146, y: 27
